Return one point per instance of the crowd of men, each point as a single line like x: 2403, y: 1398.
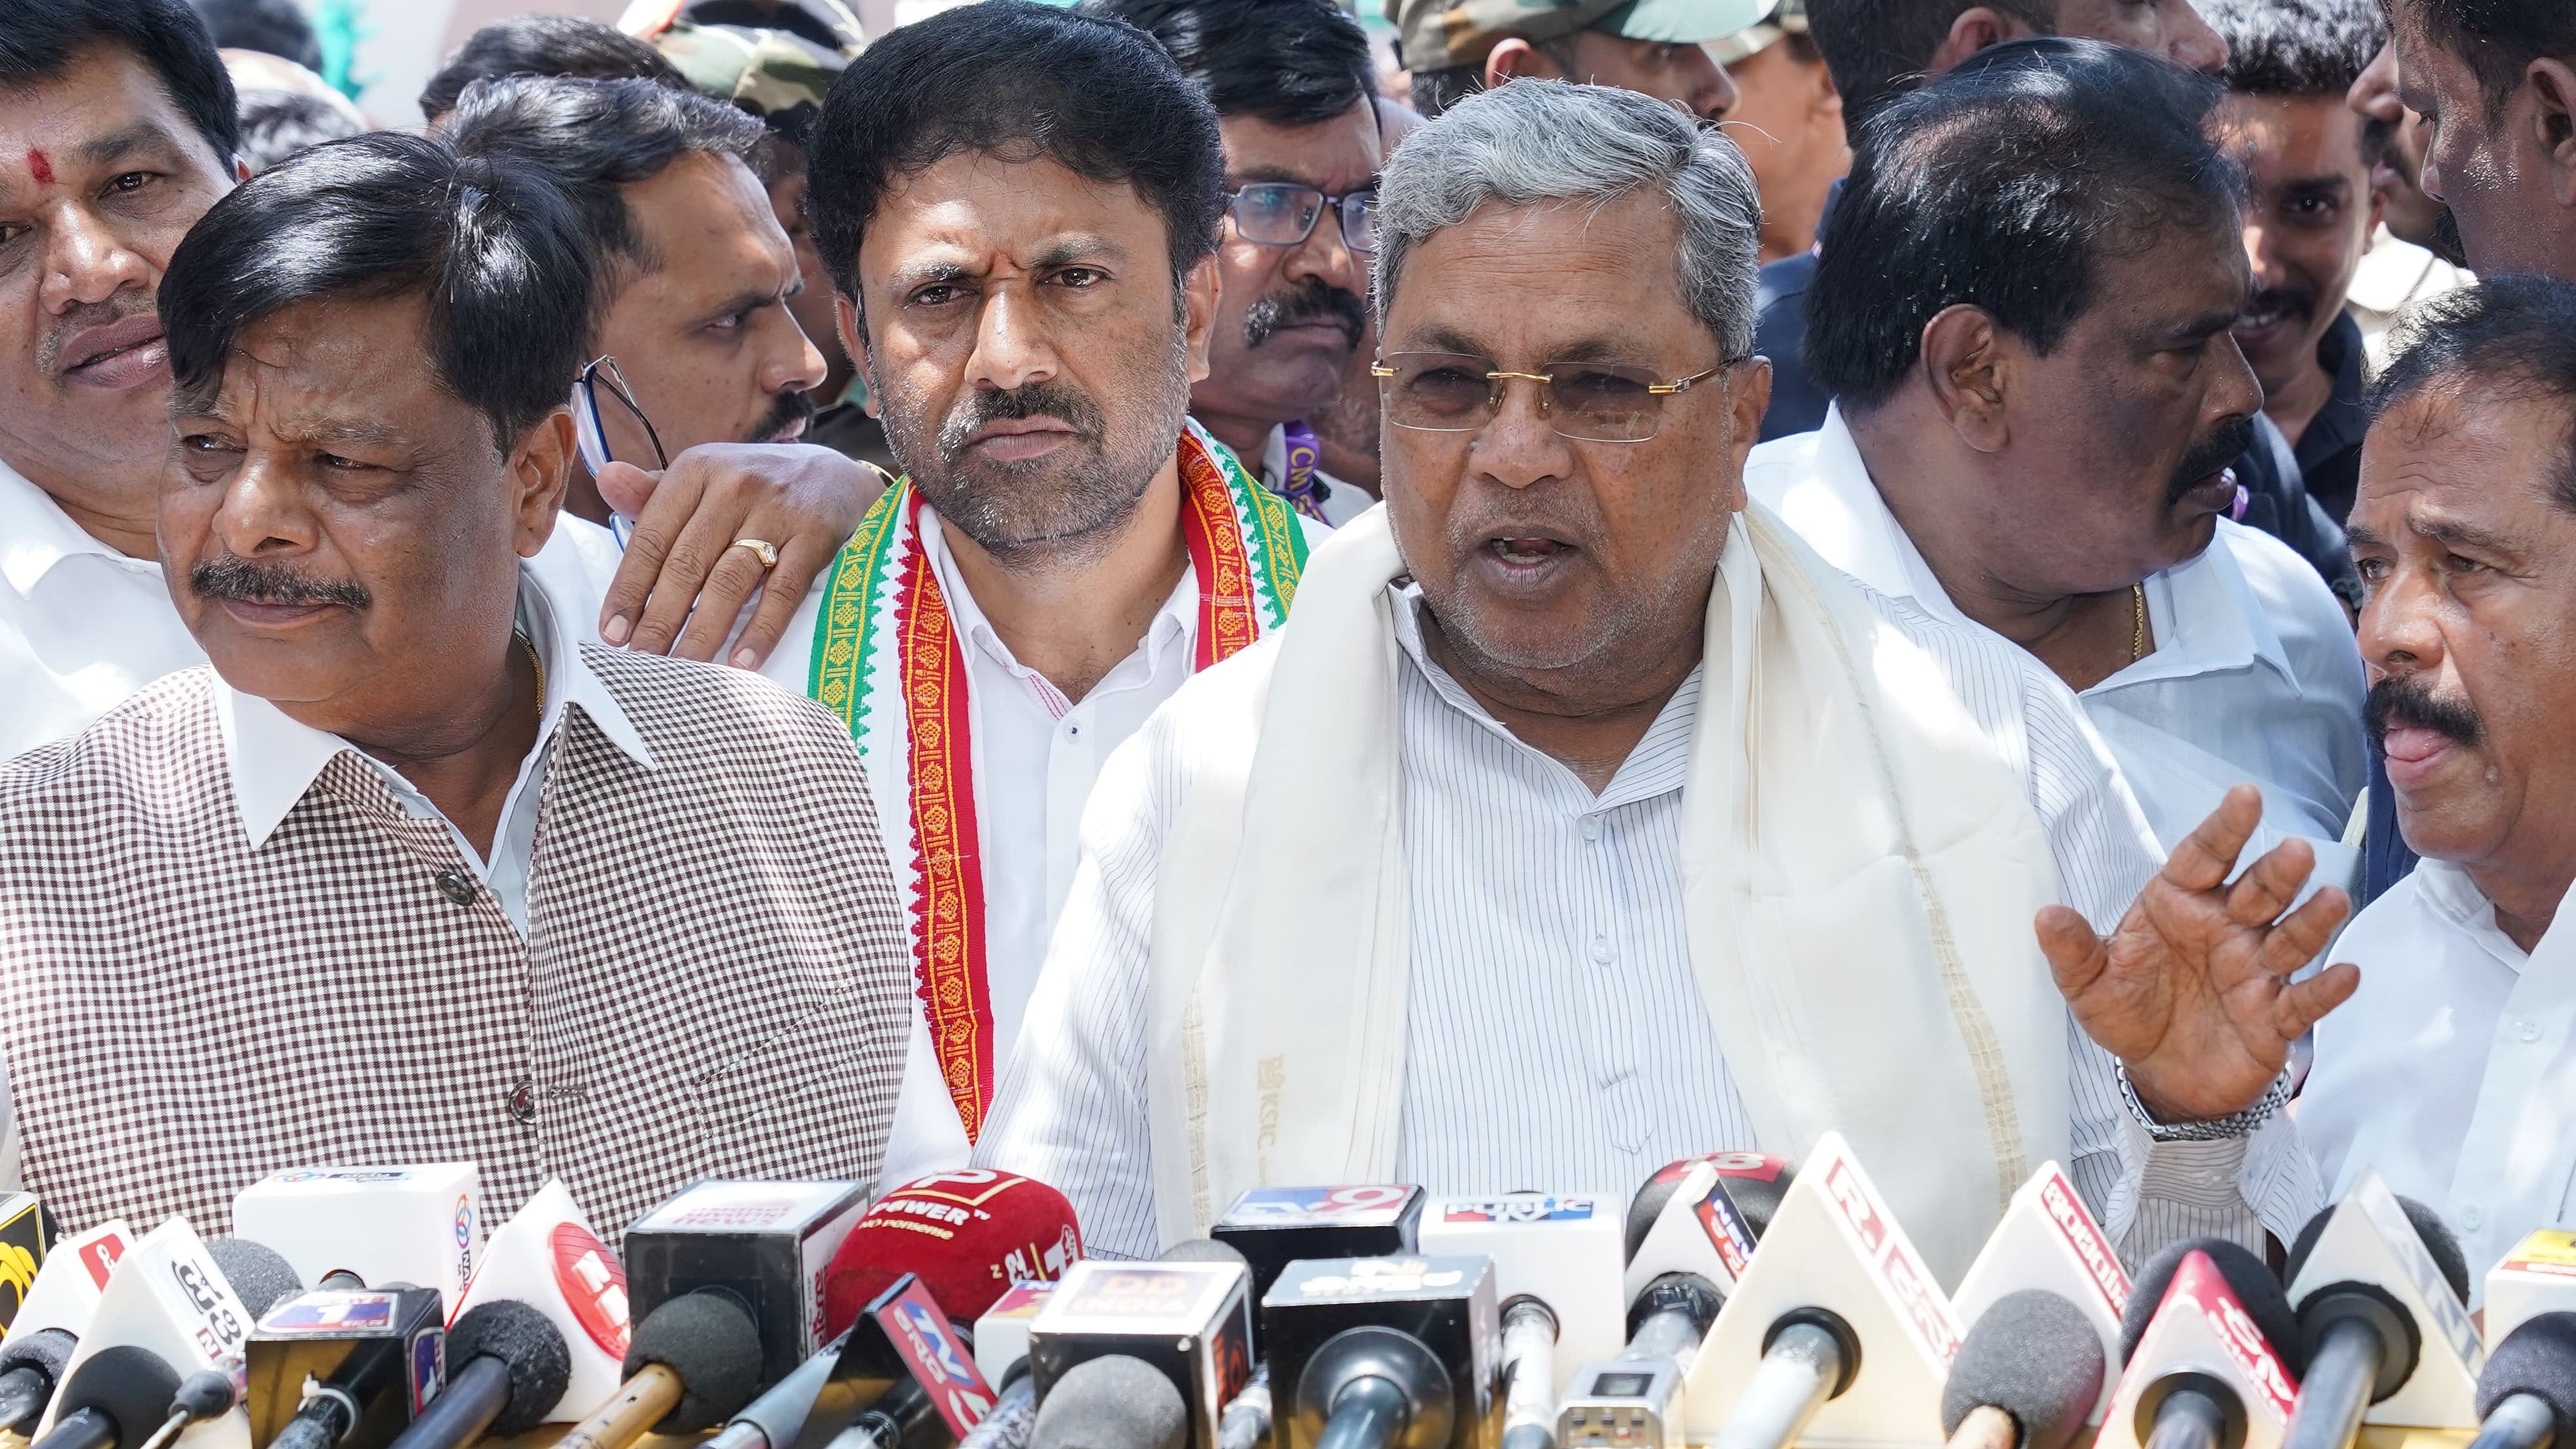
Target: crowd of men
x: 1088, y: 590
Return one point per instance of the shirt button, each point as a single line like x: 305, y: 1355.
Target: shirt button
x: 2470, y: 1217
x: 1591, y: 827
x: 522, y: 1102
x: 1073, y: 732
x: 1601, y: 949
x: 456, y: 886
x: 2527, y: 1029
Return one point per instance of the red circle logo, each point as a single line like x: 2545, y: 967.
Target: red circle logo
x: 594, y: 1284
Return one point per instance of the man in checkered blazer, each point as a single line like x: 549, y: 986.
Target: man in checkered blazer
x: 410, y: 873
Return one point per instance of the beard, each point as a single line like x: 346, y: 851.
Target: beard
x: 2447, y: 242
x: 1066, y: 507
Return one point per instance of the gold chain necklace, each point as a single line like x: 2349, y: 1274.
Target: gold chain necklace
x: 535, y: 663
x: 2137, y: 630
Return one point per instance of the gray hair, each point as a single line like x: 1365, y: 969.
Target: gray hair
x: 1545, y: 140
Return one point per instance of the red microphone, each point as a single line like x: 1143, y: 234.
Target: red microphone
x: 967, y: 1235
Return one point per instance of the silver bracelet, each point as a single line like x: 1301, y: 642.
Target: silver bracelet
x: 2216, y: 1129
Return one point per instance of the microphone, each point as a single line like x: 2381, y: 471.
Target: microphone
x: 2048, y: 1242
x: 547, y: 1258
x: 27, y: 1234
x: 767, y: 1246
x: 345, y: 1367
x: 2527, y: 1395
x: 258, y: 1276
x: 2382, y: 1327
x: 1187, y: 1315
x: 2210, y: 1342
x: 1557, y: 1262
x: 1273, y: 1227
x: 507, y: 1367
x: 2027, y: 1375
x: 414, y: 1224
x: 1704, y: 1215
x: 166, y: 1302
x: 1353, y: 1381
x: 1113, y: 1402
x: 694, y: 1361
x: 968, y: 1234
x: 1014, y: 1414
x: 2538, y: 1276
x: 1837, y: 1300
x: 52, y: 1314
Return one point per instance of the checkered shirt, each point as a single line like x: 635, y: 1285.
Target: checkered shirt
x: 715, y: 981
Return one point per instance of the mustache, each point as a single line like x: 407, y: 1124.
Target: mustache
x: 235, y: 577
x: 82, y: 317
x: 2297, y: 302
x: 2225, y: 444
x: 2448, y: 244
x: 1060, y: 400
x: 2399, y: 702
x: 790, y: 407
x: 1311, y: 300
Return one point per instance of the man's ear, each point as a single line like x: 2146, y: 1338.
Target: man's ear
x: 1748, y: 397
x: 538, y: 470
x: 1198, y: 321
x: 1964, y: 366
x: 2553, y: 121
x: 1975, y: 28
x: 854, y: 342
x: 1514, y: 56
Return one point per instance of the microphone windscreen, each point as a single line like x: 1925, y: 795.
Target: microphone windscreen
x: 2262, y: 1296
x: 132, y: 1386
x: 2442, y: 1244
x: 1114, y: 1402
x: 1201, y: 1250
x: 2306, y: 1243
x: 528, y: 1345
x: 708, y: 1339
x: 2036, y: 1357
x: 2537, y: 1358
x: 968, y: 1235
x: 260, y: 1277
x: 46, y: 1350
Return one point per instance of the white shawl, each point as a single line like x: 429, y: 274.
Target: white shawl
x: 1861, y: 866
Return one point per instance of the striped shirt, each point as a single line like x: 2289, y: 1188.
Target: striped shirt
x: 1556, y: 1036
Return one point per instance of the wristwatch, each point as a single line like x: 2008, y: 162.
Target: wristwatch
x: 2216, y: 1129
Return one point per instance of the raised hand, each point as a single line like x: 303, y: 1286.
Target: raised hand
x: 2193, y: 990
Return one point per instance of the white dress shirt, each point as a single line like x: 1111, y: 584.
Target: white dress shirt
x: 2453, y: 1069
x: 2254, y: 675
x: 2393, y: 276
x: 1036, y: 754
x: 1556, y: 1034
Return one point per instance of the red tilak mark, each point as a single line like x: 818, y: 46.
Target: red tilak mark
x: 39, y: 167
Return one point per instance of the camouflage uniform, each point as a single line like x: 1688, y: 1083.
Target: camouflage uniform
x: 1440, y: 34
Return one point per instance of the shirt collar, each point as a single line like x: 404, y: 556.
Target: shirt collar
x: 274, y: 759
x: 36, y: 534
x: 1175, y: 624
x: 2206, y: 615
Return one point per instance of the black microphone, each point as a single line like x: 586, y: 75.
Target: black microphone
x: 2527, y: 1395
x: 2380, y: 1286
x: 2209, y: 1338
x: 116, y: 1399
x: 1111, y: 1402
x: 31, y: 1364
x: 1352, y: 1379
x: 2026, y: 1377
x: 260, y: 1276
x: 507, y: 1365
x: 344, y: 1366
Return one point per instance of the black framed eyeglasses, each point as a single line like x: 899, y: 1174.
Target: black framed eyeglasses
x: 602, y: 377
x: 1284, y: 213
x: 1601, y: 402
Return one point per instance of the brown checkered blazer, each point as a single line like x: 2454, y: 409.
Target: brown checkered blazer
x: 716, y: 979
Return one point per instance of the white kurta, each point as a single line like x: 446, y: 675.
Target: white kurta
x: 2453, y: 1069
x: 2254, y: 675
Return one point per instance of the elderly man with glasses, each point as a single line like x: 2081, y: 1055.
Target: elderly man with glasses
x: 1582, y: 819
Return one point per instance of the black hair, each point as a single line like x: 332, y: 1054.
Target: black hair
x: 1877, y: 49
x: 593, y: 137
x: 2499, y: 39
x: 1021, y: 80
x: 1289, y: 62
x: 2297, y: 47
x: 40, y: 38
x: 556, y: 45
x: 492, y: 248
x: 2512, y: 338
x: 271, y: 27
x: 2003, y: 186
x: 278, y: 124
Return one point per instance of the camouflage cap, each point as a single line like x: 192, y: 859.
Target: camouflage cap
x: 1438, y: 34
x: 778, y: 75
x: 1789, y: 18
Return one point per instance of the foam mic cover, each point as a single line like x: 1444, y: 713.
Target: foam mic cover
x: 132, y: 1386
x: 708, y: 1339
x: 2435, y: 1234
x: 260, y: 1277
x: 2262, y: 1295
x: 2539, y: 1359
x: 1114, y: 1402
x: 2036, y: 1357
x: 967, y: 1235
x: 526, y: 1343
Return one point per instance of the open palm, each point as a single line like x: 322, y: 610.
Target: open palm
x: 2193, y: 990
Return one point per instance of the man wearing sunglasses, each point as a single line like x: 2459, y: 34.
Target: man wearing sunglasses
x: 1581, y: 819
x: 2039, y: 397
x: 1291, y: 84
x: 119, y: 125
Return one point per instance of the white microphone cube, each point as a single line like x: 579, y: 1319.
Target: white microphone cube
x: 1565, y: 1252
x: 415, y: 1224
x: 547, y: 1257
x: 2537, y: 1277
